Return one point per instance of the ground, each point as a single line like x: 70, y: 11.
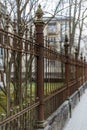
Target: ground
x: 78, y: 120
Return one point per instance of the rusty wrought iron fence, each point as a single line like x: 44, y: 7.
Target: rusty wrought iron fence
x: 18, y: 82
x: 35, y: 79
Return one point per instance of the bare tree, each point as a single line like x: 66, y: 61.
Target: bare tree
x: 22, y: 14
x: 79, y: 16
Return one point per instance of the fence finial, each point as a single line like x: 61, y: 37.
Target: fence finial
x: 76, y: 50
x: 39, y: 13
x: 76, y: 53
x: 66, y: 38
x: 84, y: 59
x: 7, y: 21
x: 14, y: 25
x: 81, y: 56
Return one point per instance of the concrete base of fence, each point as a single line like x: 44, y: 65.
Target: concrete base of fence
x: 60, y: 117
x: 46, y: 128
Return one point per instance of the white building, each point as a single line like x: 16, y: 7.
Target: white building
x: 55, y: 32
x: 2, y: 24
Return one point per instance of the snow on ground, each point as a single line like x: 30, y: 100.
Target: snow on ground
x: 78, y: 120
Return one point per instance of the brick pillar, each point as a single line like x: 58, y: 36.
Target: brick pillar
x: 66, y: 45
x: 39, y: 26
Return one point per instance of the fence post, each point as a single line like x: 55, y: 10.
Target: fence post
x: 66, y: 45
x: 39, y: 26
x: 84, y: 70
x: 81, y: 69
x: 77, y: 67
x: 6, y: 65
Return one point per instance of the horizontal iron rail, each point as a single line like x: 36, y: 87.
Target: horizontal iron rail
x: 54, y: 93
x: 13, y: 117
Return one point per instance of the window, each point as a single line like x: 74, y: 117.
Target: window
x: 1, y: 51
x: 62, y: 38
x: 51, y: 40
x: 63, y: 31
x: 52, y: 27
x: 63, y: 26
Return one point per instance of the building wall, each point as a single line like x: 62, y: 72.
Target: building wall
x: 57, y: 28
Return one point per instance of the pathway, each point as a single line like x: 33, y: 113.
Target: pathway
x: 79, y: 115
